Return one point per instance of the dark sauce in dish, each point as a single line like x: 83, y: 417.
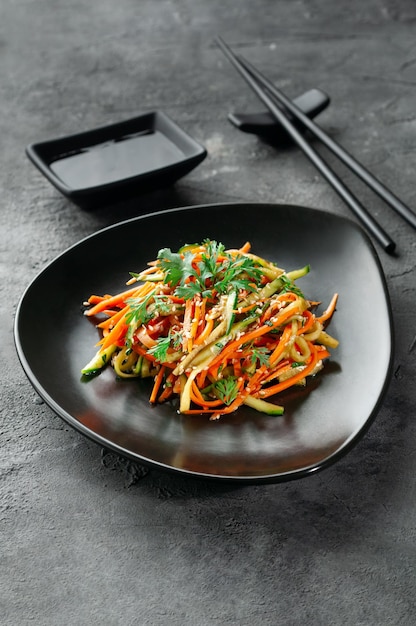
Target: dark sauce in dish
x: 125, y: 157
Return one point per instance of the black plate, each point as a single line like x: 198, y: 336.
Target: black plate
x: 54, y: 340
x: 117, y: 161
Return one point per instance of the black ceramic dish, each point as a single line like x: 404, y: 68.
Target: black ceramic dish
x: 321, y: 422
x: 118, y: 161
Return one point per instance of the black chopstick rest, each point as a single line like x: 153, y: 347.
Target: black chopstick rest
x: 263, y: 124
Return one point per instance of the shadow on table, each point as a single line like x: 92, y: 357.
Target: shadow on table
x: 163, y: 199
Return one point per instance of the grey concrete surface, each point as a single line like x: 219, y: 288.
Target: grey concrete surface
x: 89, y: 538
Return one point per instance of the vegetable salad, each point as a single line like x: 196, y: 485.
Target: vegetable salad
x: 216, y: 328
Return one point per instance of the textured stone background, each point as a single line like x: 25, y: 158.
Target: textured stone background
x: 88, y: 538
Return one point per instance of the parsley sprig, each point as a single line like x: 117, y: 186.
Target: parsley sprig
x: 226, y: 389
x: 160, y: 349
x: 289, y: 285
x: 214, y: 270
x: 260, y: 354
x: 137, y: 315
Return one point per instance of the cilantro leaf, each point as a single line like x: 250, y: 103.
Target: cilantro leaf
x: 176, y: 339
x: 190, y: 290
x: 260, y: 354
x: 162, y: 304
x: 239, y: 273
x: 213, y: 270
x: 160, y: 349
x: 288, y: 285
x: 137, y: 315
x: 210, y: 257
x: 172, y: 264
x: 226, y: 389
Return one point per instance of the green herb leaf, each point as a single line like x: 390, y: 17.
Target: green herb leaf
x: 240, y: 273
x: 162, y: 304
x: 176, y: 339
x: 160, y: 349
x: 226, y: 389
x: 137, y: 315
x: 172, y: 264
x: 216, y: 270
x: 288, y: 285
x: 260, y: 354
x: 192, y: 289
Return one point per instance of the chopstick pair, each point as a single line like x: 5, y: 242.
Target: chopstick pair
x: 278, y: 104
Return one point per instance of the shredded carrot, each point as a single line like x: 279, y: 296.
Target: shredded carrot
x: 246, y: 248
x: 96, y: 299
x: 195, y: 323
x: 281, y: 346
x: 115, y: 334
x: 282, y: 367
x: 201, y: 378
x: 249, y: 307
x: 107, y: 303
x: 165, y: 395
x: 309, y: 322
x: 328, y: 313
x: 199, y: 399
x: 209, y: 325
x: 289, y: 382
x: 258, y: 332
x: 157, y: 384
x: 110, y: 322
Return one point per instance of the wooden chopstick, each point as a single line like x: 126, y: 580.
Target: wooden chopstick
x: 353, y: 203
x: 354, y: 165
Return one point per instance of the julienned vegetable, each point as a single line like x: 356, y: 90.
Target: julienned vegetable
x: 217, y: 328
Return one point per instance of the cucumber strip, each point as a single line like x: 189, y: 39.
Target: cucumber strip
x: 295, y: 274
x: 327, y: 340
x: 98, y: 361
x: 230, y: 310
x: 263, y: 407
x: 185, y: 398
x: 150, y: 278
x: 276, y: 285
x: 138, y: 367
x: 188, y: 247
x: 145, y: 369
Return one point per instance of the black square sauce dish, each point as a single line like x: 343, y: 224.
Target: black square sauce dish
x: 114, y: 162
